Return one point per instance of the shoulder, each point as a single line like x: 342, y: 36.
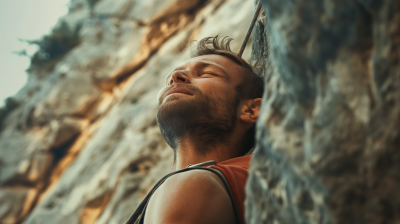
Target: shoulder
x: 197, y: 179
x: 195, y: 196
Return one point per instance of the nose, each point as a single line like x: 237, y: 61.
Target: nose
x: 178, y: 77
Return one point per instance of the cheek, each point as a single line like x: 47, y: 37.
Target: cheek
x: 216, y: 88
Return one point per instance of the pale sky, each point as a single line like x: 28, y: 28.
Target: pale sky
x: 24, y: 19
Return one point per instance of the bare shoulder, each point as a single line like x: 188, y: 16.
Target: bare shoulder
x: 196, y: 196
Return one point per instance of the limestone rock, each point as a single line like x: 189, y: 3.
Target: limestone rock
x: 64, y: 130
x: 328, y: 137
x: 15, y: 203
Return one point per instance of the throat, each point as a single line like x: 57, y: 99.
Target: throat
x: 190, y: 153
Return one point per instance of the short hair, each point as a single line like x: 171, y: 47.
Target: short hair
x: 251, y: 85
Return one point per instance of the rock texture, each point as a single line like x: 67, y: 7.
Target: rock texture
x: 79, y: 143
x: 329, y: 136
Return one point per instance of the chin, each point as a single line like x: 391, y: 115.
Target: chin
x: 178, y: 107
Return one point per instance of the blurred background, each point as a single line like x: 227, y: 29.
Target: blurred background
x: 20, y: 21
x: 78, y: 140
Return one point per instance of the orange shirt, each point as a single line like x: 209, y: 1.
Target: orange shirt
x: 236, y: 172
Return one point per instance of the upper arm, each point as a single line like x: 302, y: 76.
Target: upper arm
x: 195, y: 196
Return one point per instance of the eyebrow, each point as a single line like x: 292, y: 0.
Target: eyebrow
x: 201, y: 64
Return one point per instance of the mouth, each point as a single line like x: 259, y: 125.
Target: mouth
x: 178, y: 90
x: 175, y: 91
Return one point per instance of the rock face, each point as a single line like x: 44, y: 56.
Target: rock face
x: 79, y: 143
x: 329, y: 136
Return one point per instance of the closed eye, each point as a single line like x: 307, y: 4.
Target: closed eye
x: 211, y: 73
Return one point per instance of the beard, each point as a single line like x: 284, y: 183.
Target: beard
x: 207, y: 121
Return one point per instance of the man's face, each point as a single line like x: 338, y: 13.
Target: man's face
x: 199, y: 98
x: 213, y: 75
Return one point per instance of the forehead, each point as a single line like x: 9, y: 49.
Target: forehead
x: 210, y: 58
x: 227, y: 65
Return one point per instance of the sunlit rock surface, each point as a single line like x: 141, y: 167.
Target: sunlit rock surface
x: 79, y: 143
x: 329, y: 131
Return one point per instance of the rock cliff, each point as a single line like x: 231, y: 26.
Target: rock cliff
x: 329, y: 133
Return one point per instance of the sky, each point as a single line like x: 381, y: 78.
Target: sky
x: 23, y: 19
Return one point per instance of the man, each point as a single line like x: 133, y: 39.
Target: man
x: 207, y: 111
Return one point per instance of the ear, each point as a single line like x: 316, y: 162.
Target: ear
x: 250, y: 110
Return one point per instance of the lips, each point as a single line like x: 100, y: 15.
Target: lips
x: 178, y: 90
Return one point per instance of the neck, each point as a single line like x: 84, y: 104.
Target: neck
x: 187, y: 153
